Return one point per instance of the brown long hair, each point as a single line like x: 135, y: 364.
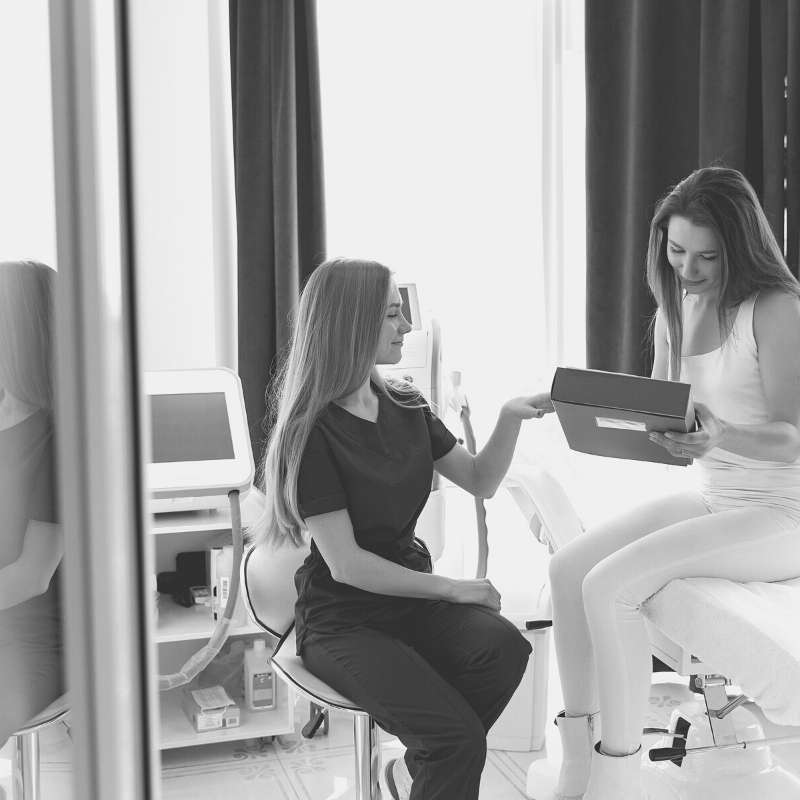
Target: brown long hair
x: 722, y: 200
x: 26, y: 331
x: 331, y: 354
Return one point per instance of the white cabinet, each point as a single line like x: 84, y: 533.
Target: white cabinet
x: 180, y: 632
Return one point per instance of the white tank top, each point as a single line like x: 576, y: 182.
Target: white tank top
x: 728, y: 381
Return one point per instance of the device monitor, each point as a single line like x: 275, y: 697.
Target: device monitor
x: 408, y: 294
x: 200, y: 441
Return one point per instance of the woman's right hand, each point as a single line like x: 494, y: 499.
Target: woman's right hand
x: 476, y: 592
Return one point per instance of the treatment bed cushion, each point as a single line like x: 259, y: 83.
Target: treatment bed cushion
x: 749, y: 632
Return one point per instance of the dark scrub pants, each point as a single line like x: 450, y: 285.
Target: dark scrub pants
x: 435, y: 674
x: 437, y: 677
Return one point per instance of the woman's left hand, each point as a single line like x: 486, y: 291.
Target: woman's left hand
x: 709, y: 435
x: 533, y: 407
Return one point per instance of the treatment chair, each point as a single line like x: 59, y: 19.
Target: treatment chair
x: 704, y: 628
x: 25, y: 750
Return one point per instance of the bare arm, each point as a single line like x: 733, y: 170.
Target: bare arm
x: 30, y: 575
x: 481, y: 474
x: 776, y: 324
x: 351, y: 564
x: 661, y: 346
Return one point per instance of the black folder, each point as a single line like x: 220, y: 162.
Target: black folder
x: 611, y: 414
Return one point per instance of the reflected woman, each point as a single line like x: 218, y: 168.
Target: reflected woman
x: 31, y: 542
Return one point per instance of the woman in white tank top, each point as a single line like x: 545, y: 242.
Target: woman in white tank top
x: 728, y: 323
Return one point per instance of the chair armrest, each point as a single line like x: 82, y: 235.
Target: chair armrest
x: 543, y: 503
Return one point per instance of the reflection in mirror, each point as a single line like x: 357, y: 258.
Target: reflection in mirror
x: 31, y: 544
x: 32, y: 662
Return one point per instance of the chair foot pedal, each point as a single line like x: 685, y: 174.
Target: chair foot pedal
x: 312, y: 726
x: 538, y: 624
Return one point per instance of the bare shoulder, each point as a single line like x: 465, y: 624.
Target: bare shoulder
x: 776, y: 314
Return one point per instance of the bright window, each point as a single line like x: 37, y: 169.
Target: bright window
x: 454, y: 141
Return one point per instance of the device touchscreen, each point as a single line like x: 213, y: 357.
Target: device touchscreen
x: 200, y: 441
x: 190, y: 427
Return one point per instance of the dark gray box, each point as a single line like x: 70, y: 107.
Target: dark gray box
x: 611, y: 414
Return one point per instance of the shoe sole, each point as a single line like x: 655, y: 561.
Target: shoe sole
x: 387, y: 784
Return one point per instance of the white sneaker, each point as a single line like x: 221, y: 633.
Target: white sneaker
x: 615, y: 777
x: 394, y: 780
x: 578, y: 737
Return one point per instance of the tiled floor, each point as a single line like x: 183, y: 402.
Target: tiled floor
x: 293, y: 768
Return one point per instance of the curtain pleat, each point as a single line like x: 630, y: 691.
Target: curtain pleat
x: 279, y: 179
x: 671, y: 87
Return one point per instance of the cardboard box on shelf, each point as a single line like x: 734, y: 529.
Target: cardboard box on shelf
x: 210, y: 709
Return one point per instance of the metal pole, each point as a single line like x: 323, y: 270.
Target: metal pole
x: 97, y: 433
x: 366, y: 737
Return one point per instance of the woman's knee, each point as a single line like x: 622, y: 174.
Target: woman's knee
x: 604, y: 586
x: 568, y: 568
x: 504, y: 648
x: 513, y: 656
x: 465, y: 744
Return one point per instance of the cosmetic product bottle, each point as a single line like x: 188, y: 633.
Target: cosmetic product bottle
x: 259, y: 678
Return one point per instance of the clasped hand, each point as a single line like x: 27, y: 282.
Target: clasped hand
x: 476, y: 592
x: 709, y: 435
x: 533, y: 407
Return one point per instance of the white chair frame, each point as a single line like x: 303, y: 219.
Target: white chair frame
x: 553, y: 521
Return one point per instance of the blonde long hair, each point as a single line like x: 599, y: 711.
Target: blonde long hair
x: 330, y: 355
x: 722, y: 200
x: 26, y: 335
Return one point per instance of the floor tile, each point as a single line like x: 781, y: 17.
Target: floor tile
x: 244, y: 780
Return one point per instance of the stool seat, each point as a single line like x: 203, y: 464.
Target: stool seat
x: 51, y: 714
x: 293, y: 669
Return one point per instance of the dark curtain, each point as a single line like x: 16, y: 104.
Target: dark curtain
x: 672, y: 86
x: 279, y: 179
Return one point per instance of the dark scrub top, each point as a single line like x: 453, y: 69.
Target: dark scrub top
x: 381, y: 473
x: 27, y: 491
x: 31, y: 656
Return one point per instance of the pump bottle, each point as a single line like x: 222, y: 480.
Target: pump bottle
x: 259, y: 678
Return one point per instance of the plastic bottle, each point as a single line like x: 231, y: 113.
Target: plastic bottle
x: 224, y: 572
x: 259, y: 679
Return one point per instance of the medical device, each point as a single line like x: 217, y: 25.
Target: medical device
x: 200, y: 446
x: 201, y: 458
x: 421, y: 365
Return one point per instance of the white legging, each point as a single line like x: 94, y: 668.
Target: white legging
x: 600, y: 579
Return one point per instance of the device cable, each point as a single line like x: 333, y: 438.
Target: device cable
x: 203, y: 657
x: 460, y: 403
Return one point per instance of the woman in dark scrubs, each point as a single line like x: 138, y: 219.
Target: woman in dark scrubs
x: 350, y: 461
x: 31, y: 540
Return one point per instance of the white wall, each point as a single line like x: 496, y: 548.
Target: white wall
x: 27, y: 193
x: 183, y: 212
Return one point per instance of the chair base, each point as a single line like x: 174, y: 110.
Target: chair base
x: 25, y: 767
x: 367, y: 740
x: 25, y: 784
x: 718, y: 774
